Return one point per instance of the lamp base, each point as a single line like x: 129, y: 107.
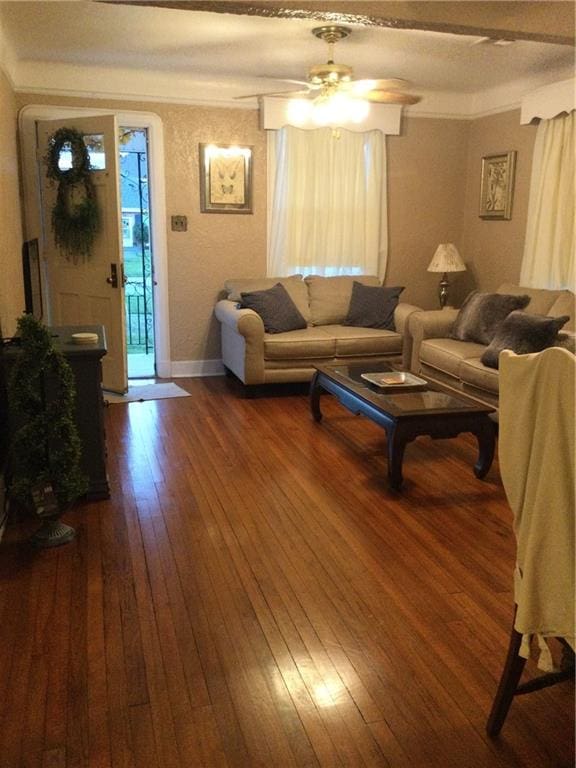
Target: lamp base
x: 443, y: 291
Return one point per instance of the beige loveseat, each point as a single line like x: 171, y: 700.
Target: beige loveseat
x: 456, y: 364
x: 256, y: 357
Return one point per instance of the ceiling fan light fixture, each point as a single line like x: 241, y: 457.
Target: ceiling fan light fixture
x: 358, y: 110
x: 337, y: 109
x: 299, y: 111
x: 361, y: 87
x: 330, y: 72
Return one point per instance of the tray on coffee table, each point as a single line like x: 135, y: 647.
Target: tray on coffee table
x: 399, y: 381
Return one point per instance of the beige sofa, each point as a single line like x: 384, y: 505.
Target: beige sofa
x: 456, y: 364
x: 256, y: 357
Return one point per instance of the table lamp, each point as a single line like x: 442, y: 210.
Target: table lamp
x: 446, y: 259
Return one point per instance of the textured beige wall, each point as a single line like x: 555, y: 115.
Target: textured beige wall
x: 426, y: 186
x: 433, y: 181
x: 11, y: 284
x: 493, y: 249
x: 216, y: 246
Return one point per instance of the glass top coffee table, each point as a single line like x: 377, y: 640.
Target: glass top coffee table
x: 406, y: 412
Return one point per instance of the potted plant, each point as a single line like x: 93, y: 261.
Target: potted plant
x: 44, y: 453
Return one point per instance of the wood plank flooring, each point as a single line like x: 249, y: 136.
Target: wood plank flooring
x: 254, y: 595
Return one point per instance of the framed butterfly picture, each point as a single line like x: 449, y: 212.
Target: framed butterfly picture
x: 225, y: 178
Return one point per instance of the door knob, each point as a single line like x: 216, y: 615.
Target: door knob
x: 112, y: 279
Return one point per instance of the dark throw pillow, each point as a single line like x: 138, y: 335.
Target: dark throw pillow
x: 522, y: 334
x: 275, y: 307
x: 372, y: 306
x: 482, y: 313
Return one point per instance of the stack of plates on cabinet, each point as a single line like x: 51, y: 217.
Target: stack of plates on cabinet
x: 84, y: 338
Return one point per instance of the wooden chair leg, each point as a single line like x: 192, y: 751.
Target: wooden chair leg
x: 507, y: 688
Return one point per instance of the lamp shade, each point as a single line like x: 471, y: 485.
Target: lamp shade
x: 447, y: 259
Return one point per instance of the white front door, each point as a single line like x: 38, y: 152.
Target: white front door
x: 90, y: 290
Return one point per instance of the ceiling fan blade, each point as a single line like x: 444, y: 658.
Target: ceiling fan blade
x: 391, y: 97
x: 271, y: 93
x: 296, y: 82
x: 385, y: 84
x: 284, y: 94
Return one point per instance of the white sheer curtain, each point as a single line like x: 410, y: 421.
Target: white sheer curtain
x: 328, y: 211
x: 550, y: 249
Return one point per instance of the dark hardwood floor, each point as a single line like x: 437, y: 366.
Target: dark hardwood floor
x: 254, y: 595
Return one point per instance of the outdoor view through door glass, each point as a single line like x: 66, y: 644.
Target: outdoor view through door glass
x: 137, y: 244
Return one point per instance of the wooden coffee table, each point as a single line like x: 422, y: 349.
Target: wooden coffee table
x: 406, y: 414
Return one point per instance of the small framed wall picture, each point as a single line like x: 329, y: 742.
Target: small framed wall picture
x: 225, y: 178
x: 497, y: 186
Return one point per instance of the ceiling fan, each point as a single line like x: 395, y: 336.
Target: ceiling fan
x: 327, y: 80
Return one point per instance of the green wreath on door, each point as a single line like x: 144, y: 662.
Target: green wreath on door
x: 75, y: 216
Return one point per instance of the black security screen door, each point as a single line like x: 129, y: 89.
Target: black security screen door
x: 137, y: 244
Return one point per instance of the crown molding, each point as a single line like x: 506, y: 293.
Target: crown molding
x: 131, y: 85
x: 121, y: 85
x: 438, y: 115
x: 134, y: 97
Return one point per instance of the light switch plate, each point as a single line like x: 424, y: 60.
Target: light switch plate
x: 179, y: 223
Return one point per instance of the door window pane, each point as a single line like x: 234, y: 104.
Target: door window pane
x: 95, y: 144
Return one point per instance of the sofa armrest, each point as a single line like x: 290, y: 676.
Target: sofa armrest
x: 246, y: 322
x: 401, y: 315
x: 431, y: 324
x: 567, y: 339
x: 242, y: 338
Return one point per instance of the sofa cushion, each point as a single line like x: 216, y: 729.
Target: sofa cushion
x: 277, y: 310
x: 329, y: 297
x: 306, y: 343
x: 541, y: 299
x: 482, y: 313
x: 473, y: 372
x: 294, y: 284
x: 523, y: 333
x: 447, y: 354
x: 564, y: 305
x: 372, y: 306
x: 352, y: 341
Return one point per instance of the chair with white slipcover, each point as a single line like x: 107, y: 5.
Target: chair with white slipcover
x: 537, y: 464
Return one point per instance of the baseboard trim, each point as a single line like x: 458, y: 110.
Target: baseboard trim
x: 164, y: 369
x: 196, y: 368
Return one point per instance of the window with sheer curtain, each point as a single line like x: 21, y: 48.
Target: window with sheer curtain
x: 549, y: 259
x: 327, y: 215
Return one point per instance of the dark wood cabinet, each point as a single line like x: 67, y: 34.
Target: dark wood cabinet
x: 86, y: 363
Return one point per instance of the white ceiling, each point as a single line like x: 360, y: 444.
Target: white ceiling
x: 117, y: 50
